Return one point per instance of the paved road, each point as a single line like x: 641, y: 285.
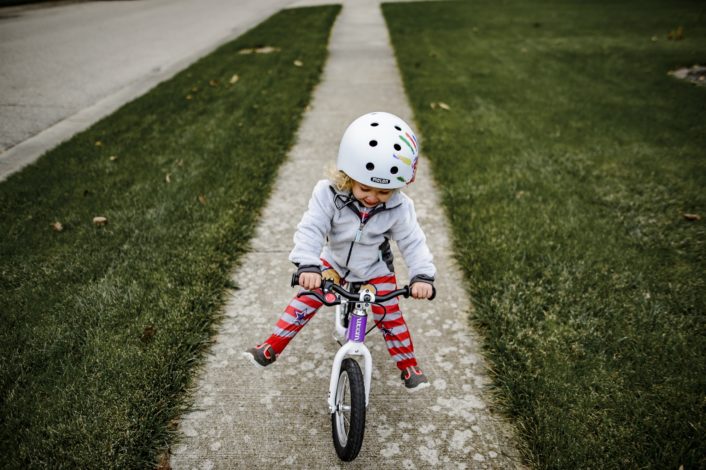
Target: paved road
x: 66, y: 66
x: 249, y: 418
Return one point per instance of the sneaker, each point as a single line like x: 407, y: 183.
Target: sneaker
x: 414, y: 379
x: 261, y: 355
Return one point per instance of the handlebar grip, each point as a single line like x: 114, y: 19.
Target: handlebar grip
x: 295, y: 280
x: 433, y: 292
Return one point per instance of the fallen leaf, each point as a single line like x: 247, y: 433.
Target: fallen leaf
x: 213, y: 83
x: 692, y: 217
x: 189, y: 97
x: 57, y: 227
x: 195, y: 89
x: 234, y: 79
x: 100, y: 220
x: 113, y: 158
x: 298, y: 63
x: 202, y: 199
x: 444, y: 106
x: 433, y: 105
x: 679, y: 73
x: 180, y: 162
x: 99, y: 143
x: 148, y: 333
x: 164, y: 462
x: 167, y: 178
x: 676, y: 34
x: 259, y: 50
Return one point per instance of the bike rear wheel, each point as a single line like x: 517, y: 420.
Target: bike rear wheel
x: 348, y: 420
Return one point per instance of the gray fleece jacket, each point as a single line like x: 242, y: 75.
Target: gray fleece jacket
x: 332, y: 229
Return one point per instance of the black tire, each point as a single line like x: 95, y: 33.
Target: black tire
x: 348, y: 421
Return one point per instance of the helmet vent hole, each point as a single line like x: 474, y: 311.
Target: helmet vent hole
x: 374, y: 124
x: 370, y: 166
x: 398, y: 128
x: 394, y: 170
x: 398, y: 147
x: 373, y: 143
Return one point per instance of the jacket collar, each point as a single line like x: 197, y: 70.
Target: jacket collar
x: 343, y: 199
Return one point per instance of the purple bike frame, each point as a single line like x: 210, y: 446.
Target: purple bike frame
x: 356, y: 328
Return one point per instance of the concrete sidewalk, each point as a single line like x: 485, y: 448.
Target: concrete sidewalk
x: 244, y: 417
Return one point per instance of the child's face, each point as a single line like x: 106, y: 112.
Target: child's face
x: 370, y: 197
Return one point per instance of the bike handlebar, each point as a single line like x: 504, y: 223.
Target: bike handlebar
x: 328, y: 285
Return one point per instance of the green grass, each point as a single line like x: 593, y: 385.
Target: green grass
x: 567, y: 160
x: 102, y: 325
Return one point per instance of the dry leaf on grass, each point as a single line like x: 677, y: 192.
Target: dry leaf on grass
x: 676, y: 34
x: 57, y: 227
x: 164, y: 462
x: 298, y: 63
x: 148, y: 333
x: 113, y: 158
x: 234, y: 79
x: 213, y: 83
x: 167, y: 178
x: 692, y: 217
x: 441, y: 105
x: 259, y: 50
x: 100, y: 220
x: 202, y: 199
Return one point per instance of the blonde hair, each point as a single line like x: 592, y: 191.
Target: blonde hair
x: 342, y: 181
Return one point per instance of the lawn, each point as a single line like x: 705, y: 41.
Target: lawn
x: 103, y: 322
x: 572, y: 168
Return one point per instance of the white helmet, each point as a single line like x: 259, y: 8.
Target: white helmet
x: 379, y: 150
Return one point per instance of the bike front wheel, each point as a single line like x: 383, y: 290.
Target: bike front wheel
x: 348, y: 420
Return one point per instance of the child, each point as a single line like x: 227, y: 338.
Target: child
x: 344, y: 235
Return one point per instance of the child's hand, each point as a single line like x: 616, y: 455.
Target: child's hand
x: 310, y: 281
x: 421, y: 290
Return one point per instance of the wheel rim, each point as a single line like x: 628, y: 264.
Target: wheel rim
x: 343, y: 409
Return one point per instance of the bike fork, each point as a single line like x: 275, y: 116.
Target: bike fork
x: 351, y: 348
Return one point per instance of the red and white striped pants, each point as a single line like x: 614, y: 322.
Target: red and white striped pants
x: 394, y: 329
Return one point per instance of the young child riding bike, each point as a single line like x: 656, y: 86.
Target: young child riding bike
x: 345, y: 236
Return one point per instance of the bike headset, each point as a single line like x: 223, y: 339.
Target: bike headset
x: 355, y: 287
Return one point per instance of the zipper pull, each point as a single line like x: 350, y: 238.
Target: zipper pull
x: 359, y: 233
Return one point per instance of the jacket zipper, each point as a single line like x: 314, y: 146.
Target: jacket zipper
x: 359, y: 233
